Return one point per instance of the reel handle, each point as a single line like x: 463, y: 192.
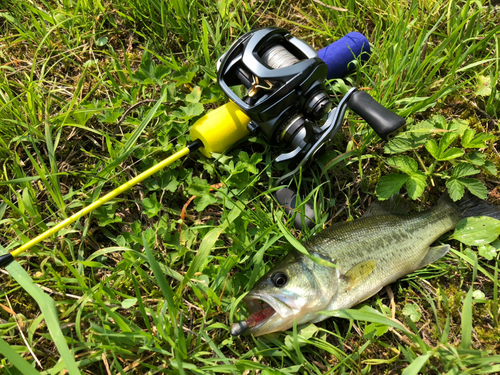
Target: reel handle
x: 288, y: 199
x: 386, y: 123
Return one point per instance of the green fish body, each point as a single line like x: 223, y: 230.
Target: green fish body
x: 369, y: 253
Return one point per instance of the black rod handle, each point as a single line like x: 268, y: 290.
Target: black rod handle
x: 386, y: 123
x: 288, y: 199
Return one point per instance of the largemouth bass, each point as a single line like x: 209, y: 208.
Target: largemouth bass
x: 369, y: 253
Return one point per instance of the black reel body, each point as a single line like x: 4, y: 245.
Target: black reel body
x: 284, y: 79
x: 286, y: 99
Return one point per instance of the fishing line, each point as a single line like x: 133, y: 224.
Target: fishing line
x: 278, y: 57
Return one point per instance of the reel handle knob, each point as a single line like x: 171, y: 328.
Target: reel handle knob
x: 386, y: 123
x: 288, y: 199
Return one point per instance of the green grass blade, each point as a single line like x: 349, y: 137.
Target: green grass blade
x: 162, y: 282
x: 19, y: 362
x: 48, y: 308
x: 416, y: 366
x: 467, y: 314
x: 368, y: 315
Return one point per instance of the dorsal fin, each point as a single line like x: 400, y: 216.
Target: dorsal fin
x: 395, y: 205
x: 359, y: 272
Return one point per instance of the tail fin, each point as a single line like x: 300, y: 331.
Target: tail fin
x: 470, y: 205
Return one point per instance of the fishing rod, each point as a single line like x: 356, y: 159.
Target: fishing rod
x: 286, y: 102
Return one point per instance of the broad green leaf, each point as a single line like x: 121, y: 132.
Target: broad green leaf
x: 199, y: 187
x: 413, y: 311
x: 440, y: 152
x: 446, y: 141
x: 487, y: 251
x: 439, y: 122
x: 302, y: 336
x: 476, y: 187
x: 192, y: 110
x: 477, y: 231
x: 194, y: 96
x: 249, y: 163
x: 478, y: 294
x: 470, y: 140
x: 399, y: 144
x: 480, y: 140
x: 106, y: 215
x: 450, y: 154
x: 404, y: 163
x: 483, y: 86
x: 129, y: 302
x: 411, y: 139
x: 464, y: 169
x: 390, y: 185
x: 102, y: 41
x: 432, y: 146
x: 377, y: 329
x: 168, y: 182
x: 476, y: 158
x: 459, y: 126
x: 202, y: 202
x: 468, y: 136
x: 490, y: 167
x: 416, y: 185
x: 185, y: 75
x: 111, y: 116
x: 455, y: 189
x: 151, y: 206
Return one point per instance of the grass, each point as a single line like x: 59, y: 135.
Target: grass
x: 94, y: 92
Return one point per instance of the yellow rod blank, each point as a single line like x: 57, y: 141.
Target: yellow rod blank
x: 126, y: 186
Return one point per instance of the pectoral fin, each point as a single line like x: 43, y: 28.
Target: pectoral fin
x: 357, y: 274
x: 434, y: 254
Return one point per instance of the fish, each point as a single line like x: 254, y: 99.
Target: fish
x: 385, y: 244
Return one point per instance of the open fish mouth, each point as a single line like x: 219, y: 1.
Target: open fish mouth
x: 260, y: 312
x: 267, y: 314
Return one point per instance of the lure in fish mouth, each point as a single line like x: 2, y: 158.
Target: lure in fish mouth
x: 369, y: 253
x: 289, y: 292
x: 261, y: 313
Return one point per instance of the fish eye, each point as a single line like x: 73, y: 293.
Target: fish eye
x: 279, y: 279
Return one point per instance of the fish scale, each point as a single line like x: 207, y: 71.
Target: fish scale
x: 369, y: 253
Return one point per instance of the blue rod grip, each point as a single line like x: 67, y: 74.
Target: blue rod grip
x: 339, y: 55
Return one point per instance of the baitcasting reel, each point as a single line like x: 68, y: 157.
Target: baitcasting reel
x: 285, y: 95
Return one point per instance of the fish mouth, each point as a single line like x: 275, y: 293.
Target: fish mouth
x: 267, y: 313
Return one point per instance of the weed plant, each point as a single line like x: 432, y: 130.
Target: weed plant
x: 93, y: 92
